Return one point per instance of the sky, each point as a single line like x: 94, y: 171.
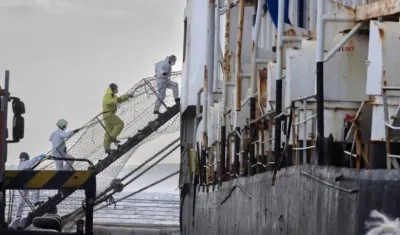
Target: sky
x: 62, y: 54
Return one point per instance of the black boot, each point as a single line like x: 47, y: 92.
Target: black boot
x: 38, y: 204
x: 177, y: 100
x: 156, y: 112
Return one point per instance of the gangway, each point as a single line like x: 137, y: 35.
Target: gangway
x: 141, y: 126
x: 115, y: 155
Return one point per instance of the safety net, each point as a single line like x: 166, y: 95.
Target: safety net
x: 136, y: 113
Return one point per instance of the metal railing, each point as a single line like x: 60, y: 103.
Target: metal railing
x: 128, y: 211
x: 266, y: 119
x: 390, y: 158
x: 296, y: 129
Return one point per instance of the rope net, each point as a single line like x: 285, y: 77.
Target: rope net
x: 136, y: 113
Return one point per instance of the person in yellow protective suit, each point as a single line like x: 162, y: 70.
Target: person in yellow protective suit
x: 113, y: 123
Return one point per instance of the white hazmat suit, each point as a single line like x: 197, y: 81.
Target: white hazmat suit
x: 163, y: 71
x: 26, y: 165
x: 59, y: 150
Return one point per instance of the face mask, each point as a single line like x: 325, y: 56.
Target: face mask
x: 115, y: 91
x: 172, y: 62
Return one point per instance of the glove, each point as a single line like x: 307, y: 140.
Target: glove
x: 130, y: 96
x: 76, y: 130
x: 41, y: 156
x: 165, y: 74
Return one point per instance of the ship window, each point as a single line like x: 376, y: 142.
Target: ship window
x: 184, y: 38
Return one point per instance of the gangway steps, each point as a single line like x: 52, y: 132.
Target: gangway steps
x: 103, y: 164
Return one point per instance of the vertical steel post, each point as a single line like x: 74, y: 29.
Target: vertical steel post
x: 278, y: 102
x: 216, y: 70
x: 208, y: 82
x: 3, y: 137
x: 304, y: 131
x: 217, y: 23
x: 195, y: 126
x: 238, y: 67
x: 253, y: 81
x: 320, y: 81
x: 90, y: 198
x: 226, y: 68
x: 236, y: 158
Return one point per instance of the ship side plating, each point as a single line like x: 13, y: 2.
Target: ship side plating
x: 290, y: 115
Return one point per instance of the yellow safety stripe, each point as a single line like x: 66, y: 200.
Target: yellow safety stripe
x: 47, y: 179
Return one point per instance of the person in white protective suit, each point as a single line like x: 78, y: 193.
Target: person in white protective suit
x: 59, y: 150
x: 26, y: 164
x: 163, y: 71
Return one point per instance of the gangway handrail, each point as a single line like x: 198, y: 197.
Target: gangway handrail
x: 76, y: 214
x: 63, y: 159
x: 95, y: 119
x: 104, y: 196
x: 103, y: 164
x: 119, y: 181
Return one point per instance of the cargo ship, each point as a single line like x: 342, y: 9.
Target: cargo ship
x: 289, y: 116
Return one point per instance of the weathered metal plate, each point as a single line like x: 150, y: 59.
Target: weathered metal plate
x: 262, y: 93
x: 377, y: 9
x: 383, y: 69
x: 300, y: 73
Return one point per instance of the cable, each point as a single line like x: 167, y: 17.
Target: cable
x: 139, y: 167
x: 142, y: 189
x: 77, y: 216
x: 149, y: 159
x: 104, y: 197
x: 151, y: 166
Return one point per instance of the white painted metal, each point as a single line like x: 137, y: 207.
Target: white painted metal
x: 255, y: 36
x: 300, y: 121
x: 217, y: 54
x: 299, y: 72
x: 383, y: 69
x: 334, y: 114
x: 271, y: 86
x: 193, y: 67
x: 293, y: 12
x: 346, y: 80
x: 208, y: 69
x: 320, y: 31
x: 345, y: 73
x: 312, y: 6
x: 378, y: 122
x: 279, y: 43
x: 247, y: 32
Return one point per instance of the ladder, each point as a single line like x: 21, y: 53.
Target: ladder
x: 103, y: 164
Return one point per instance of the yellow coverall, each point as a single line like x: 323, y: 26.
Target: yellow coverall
x: 113, y: 123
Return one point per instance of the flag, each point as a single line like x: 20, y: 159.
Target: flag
x: 272, y: 7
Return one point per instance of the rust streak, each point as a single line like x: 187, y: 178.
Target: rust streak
x: 262, y: 91
x: 290, y: 32
x: 377, y: 9
x: 205, y: 77
x: 226, y: 65
x: 239, y: 56
x: 381, y: 33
